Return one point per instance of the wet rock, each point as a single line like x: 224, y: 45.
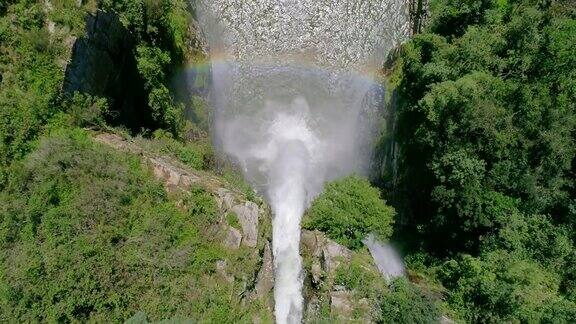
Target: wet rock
x: 316, y: 272
x: 312, y: 241
x: 233, y: 238
x: 248, y: 216
x: 387, y: 260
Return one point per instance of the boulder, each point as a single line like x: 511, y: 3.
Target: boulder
x: 225, y: 199
x: 265, y: 280
x: 334, y: 253
x: 341, y: 304
x: 248, y: 213
x: 312, y: 241
x: 233, y: 238
x: 326, y: 254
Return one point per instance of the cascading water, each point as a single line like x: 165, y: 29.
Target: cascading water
x: 294, y: 106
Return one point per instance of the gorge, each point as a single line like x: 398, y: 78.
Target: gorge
x: 241, y: 161
x: 296, y: 104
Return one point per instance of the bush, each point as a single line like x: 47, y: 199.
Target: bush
x: 359, y: 276
x: 406, y: 304
x: 348, y: 210
x: 86, y: 110
x: 503, y: 287
x: 196, y: 154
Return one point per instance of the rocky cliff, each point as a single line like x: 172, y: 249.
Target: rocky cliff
x: 245, y: 226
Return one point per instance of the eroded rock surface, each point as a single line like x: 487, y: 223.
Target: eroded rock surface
x: 327, y: 254
x: 341, y: 304
x: 265, y: 281
x: 233, y: 238
x: 248, y: 214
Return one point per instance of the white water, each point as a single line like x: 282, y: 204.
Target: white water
x: 387, y: 260
x: 294, y: 108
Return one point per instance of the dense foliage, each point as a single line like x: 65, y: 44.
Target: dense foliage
x: 33, y: 58
x: 86, y: 235
x: 30, y: 78
x: 348, y: 210
x: 487, y: 126
x: 406, y: 304
x: 161, y: 29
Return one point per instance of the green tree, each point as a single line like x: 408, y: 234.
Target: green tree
x: 348, y: 210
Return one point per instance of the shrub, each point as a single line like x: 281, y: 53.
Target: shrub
x: 407, y: 304
x: 348, y: 210
x: 503, y: 287
x: 360, y: 276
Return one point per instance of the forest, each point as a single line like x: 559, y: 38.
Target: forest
x: 487, y: 128
x: 482, y: 204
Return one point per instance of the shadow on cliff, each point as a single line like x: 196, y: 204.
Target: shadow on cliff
x: 103, y: 64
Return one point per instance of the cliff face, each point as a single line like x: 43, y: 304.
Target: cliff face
x: 103, y: 64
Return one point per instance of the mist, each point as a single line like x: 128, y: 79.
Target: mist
x: 288, y: 143
x: 294, y: 107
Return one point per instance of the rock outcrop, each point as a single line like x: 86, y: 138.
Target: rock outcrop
x: 248, y: 214
x: 233, y: 238
x: 176, y: 177
x: 341, y: 303
x: 322, y: 258
x: 326, y: 254
x: 179, y: 178
x: 265, y: 280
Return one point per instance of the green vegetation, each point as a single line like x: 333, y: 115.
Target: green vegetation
x: 348, y: 210
x: 87, y: 235
x: 357, y: 276
x: 487, y: 121
x: 32, y: 60
x: 30, y: 79
x: 196, y: 154
x: 405, y: 303
x: 485, y: 189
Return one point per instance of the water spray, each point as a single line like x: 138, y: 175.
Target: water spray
x: 296, y: 104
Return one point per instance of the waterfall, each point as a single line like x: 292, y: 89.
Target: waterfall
x: 296, y: 103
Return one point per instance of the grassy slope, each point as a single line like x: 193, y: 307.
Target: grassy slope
x: 88, y: 234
